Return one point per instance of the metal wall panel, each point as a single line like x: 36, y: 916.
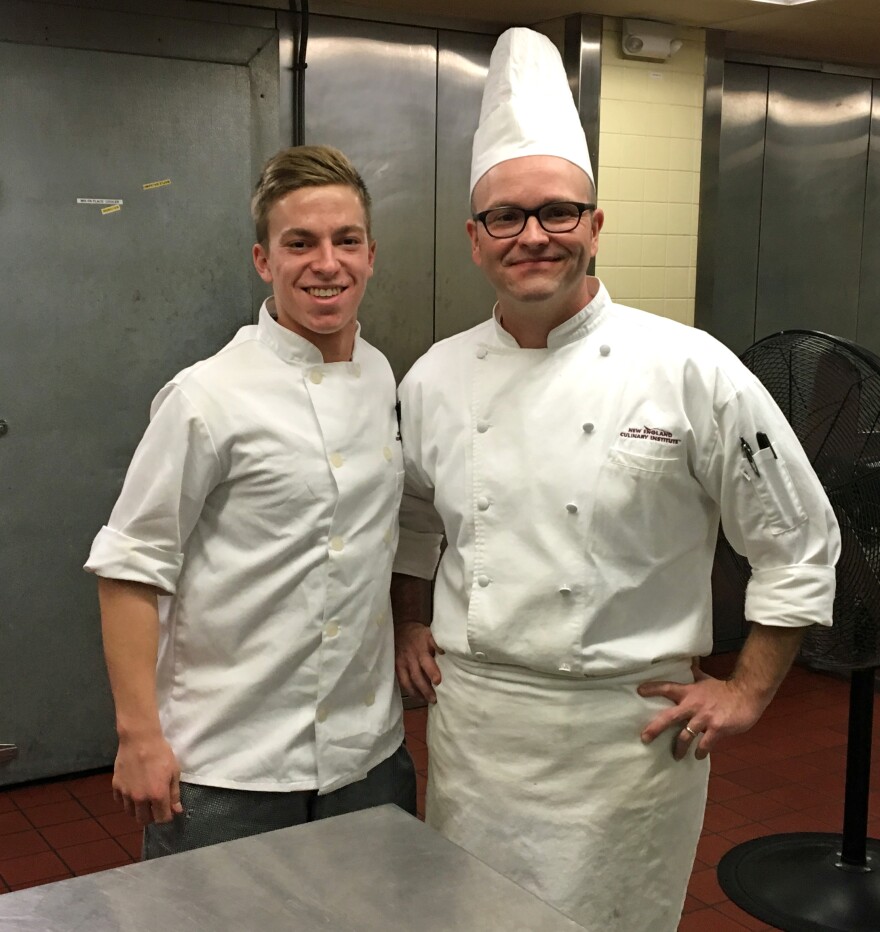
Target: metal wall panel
x: 188, y: 31
x: 741, y: 160
x: 710, y: 174
x: 582, y: 54
x: 463, y: 297
x: 798, y: 231
x: 868, y: 332
x: 730, y: 314
x: 97, y: 312
x: 813, y: 201
x: 371, y: 91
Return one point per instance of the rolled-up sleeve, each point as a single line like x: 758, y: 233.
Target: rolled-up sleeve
x: 173, y: 470
x: 774, y: 511
x: 418, y: 552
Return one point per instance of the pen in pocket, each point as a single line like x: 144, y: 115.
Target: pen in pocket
x: 747, y: 453
x: 764, y: 443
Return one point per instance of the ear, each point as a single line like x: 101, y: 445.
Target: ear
x: 473, y: 232
x: 372, y: 258
x: 261, y: 263
x: 596, y: 225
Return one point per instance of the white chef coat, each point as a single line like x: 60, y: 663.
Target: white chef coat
x: 580, y: 488
x: 263, y: 497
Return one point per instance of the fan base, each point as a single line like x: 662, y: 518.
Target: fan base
x: 792, y: 882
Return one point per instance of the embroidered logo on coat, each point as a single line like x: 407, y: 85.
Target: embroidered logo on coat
x: 656, y: 434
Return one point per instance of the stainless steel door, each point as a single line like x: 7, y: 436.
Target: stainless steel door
x: 868, y: 331
x: 798, y: 228
x: 812, y: 202
x: 403, y: 102
x: 371, y: 91
x: 462, y: 296
x: 98, y: 310
x: 743, y: 127
x: 798, y: 243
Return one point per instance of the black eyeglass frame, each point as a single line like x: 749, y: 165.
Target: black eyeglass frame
x: 534, y: 212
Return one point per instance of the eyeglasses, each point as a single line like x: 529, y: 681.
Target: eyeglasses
x: 555, y: 217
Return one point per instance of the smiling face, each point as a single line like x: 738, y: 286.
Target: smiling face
x: 318, y: 258
x: 536, y: 267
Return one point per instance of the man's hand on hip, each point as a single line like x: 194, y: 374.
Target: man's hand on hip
x: 708, y: 709
x: 703, y: 712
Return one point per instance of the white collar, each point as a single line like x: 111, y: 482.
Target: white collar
x: 569, y: 331
x: 290, y: 346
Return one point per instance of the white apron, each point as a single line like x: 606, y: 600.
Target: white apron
x: 545, y: 779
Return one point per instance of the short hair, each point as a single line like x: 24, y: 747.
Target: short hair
x: 591, y: 197
x: 303, y: 167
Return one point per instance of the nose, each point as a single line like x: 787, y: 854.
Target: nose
x: 533, y: 234
x: 324, y: 260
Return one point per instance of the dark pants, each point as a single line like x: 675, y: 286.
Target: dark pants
x: 214, y: 814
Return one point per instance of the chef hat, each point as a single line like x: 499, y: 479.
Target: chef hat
x: 527, y: 106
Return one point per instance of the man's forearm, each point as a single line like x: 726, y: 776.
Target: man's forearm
x: 130, y: 628
x: 410, y: 599
x: 764, y: 660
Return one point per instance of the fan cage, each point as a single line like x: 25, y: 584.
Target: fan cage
x: 829, y: 390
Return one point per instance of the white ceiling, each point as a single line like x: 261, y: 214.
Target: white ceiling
x: 839, y: 31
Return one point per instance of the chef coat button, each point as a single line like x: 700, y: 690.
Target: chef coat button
x: 479, y: 655
x: 482, y: 426
x: 589, y: 427
x: 604, y: 349
x: 483, y: 581
x: 332, y: 629
x: 482, y: 352
x: 571, y: 508
x: 336, y: 543
x: 336, y: 459
x: 386, y: 537
x: 356, y: 369
x: 386, y: 452
x: 381, y: 619
x: 565, y: 590
x: 316, y: 376
x: 482, y: 503
x: 369, y: 697
x: 321, y: 714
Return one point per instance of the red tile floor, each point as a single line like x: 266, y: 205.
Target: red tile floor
x: 785, y: 775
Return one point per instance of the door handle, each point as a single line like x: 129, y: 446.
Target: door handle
x: 8, y: 752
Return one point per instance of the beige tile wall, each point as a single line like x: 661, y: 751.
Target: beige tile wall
x: 649, y: 174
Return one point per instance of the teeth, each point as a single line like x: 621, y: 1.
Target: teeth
x: 324, y: 292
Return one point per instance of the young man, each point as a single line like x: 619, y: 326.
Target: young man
x: 244, y: 570
x: 577, y: 455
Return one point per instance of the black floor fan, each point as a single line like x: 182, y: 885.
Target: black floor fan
x: 829, y: 389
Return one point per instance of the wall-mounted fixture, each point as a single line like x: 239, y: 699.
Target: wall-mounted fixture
x: 642, y: 38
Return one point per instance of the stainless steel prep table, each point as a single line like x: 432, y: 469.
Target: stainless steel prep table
x: 379, y: 869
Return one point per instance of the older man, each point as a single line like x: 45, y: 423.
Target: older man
x: 244, y: 570
x: 577, y: 456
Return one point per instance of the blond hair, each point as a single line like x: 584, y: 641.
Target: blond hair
x: 303, y: 167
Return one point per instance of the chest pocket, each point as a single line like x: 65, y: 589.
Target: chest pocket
x: 645, y: 462
x: 648, y: 508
